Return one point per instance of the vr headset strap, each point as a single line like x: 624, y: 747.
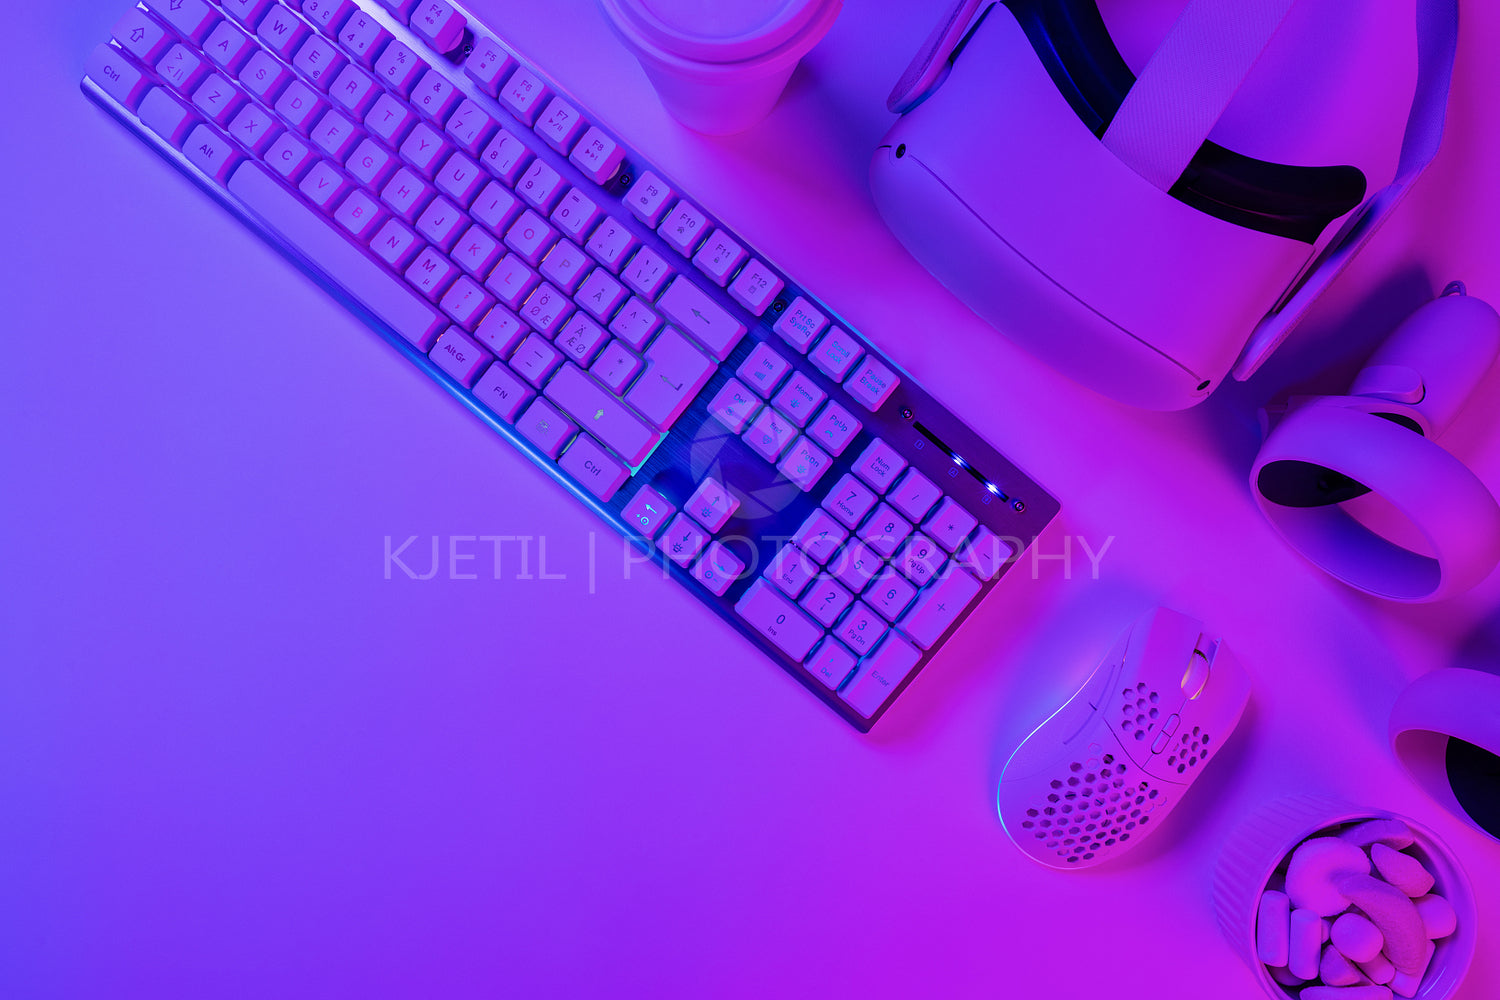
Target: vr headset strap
x: 1437, y: 44
x: 1188, y: 82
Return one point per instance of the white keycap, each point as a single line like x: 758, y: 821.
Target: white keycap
x: 502, y: 392
x: 264, y: 77
x: 580, y: 338
x: 675, y: 372
x: 801, y: 324
x: 180, y: 67
x: 246, y: 11
x: 602, y: 415
x: 884, y: 530
x: 363, y: 38
x: 327, y: 15
x: 860, y: 629
x: 871, y: 384
x: 361, y: 278
x: 836, y: 353
x: 117, y: 76
x: 920, y: 559
x: 799, y: 398
x: 559, y: 124
x: 950, y: 524
x: 227, y: 46
x: 849, y: 501
x: 791, y: 570
x: 734, y: 405
x: 820, y: 535
x: 718, y: 568
x: 319, y: 61
x: 915, y: 494
x: 210, y: 152
x: 530, y: 237
x: 831, y: 663
x: 635, y: 322
x: 647, y: 511
x: 880, y: 674
x: 682, y: 541
x: 833, y: 428
x: 597, y: 155
x: 756, y: 287
x: 937, y: 607
x: 646, y: 272
x: 355, y: 91
x: 141, y: 35
x: 985, y: 553
x: 500, y: 331
x: 769, y: 613
x: 441, y: 222
x: 825, y: 600
x: 459, y: 356
x: 165, y: 115
x: 511, y: 280
x: 610, y: 243
x: 683, y: 227
x: 879, y: 465
x: 435, y: 95
x: 705, y: 320
x: 253, y: 127
x: 439, y: 25
x: 804, y: 464
x: 595, y: 468
x: 711, y: 504
x: 575, y: 214
x: 506, y: 156
x: 477, y: 252
x: 889, y: 593
x: 471, y: 127
x: 648, y: 198
x: 488, y: 64
x: 523, y: 94
x: 600, y: 294
x: 719, y: 256
x: 769, y: 434
x: 193, y: 18
x: 764, y: 369
x: 282, y: 31
x: 615, y: 366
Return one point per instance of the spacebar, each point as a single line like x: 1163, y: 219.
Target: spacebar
x: 359, y: 276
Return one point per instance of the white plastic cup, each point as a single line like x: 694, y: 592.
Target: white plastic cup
x: 1261, y: 843
x: 719, y: 66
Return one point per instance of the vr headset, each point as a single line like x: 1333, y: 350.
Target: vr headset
x: 1081, y: 211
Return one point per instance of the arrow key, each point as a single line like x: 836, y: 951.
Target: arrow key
x: 140, y: 35
x: 193, y: 18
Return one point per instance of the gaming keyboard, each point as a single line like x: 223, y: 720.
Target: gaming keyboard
x: 572, y: 296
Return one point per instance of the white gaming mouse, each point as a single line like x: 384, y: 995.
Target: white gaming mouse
x: 1104, y: 770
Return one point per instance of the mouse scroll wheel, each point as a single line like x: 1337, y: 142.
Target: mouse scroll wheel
x: 1195, y: 678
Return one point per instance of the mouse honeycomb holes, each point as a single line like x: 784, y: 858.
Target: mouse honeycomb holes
x: 1139, y: 710
x: 1091, y: 809
x: 1191, y: 750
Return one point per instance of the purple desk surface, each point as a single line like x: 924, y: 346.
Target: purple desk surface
x: 237, y: 761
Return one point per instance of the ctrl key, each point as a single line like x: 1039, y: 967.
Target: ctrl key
x: 880, y: 674
x: 117, y: 76
x: 588, y: 462
x: 778, y: 619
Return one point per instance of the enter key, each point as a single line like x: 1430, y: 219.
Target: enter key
x: 676, y: 372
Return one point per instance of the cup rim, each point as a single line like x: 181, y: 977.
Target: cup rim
x: 797, y: 27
